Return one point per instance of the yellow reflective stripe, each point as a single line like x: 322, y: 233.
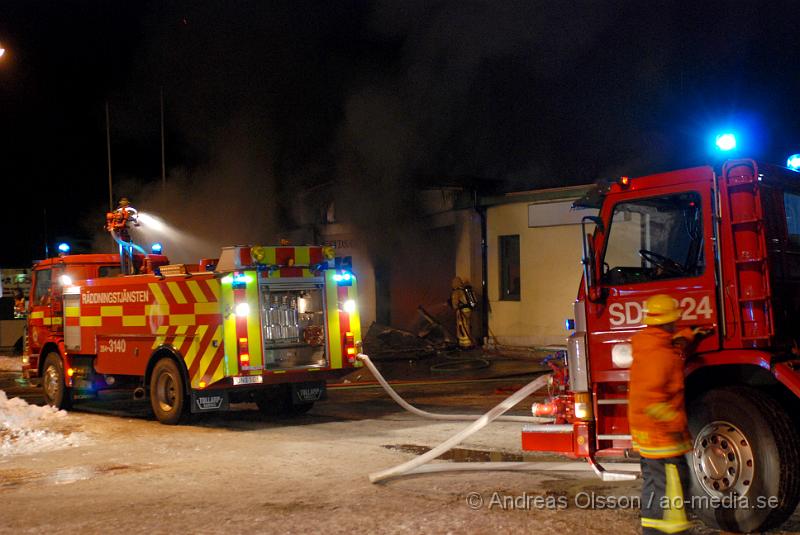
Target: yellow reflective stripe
x: 157, y: 310
x: 254, y: 323
x: 111, y: 311
x: 37, y: 315
x: 231, y: 359
x: 176, y: 292
x: 53, y: 320
x: 269, y: 255
x: 195, y: 345
x: 355, y: 317
x: 134, y: 321
x: 302, y: 257
x: 91, y: 321
x: 661, y: 411
x: 72, y: 312
x: 665, y: 451
x: 213, y: 285
x: 206, y: 308
x: 197, y: 293
x: 219, y: 373
x: 208, y: 354
x: 182, y: 319
x: 157, y: 293
x: 334, y: 334
x: 180, y: 336
x: 161, y: 331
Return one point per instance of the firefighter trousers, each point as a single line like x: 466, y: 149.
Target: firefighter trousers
x: 464, y: 327
x: 664, y: 486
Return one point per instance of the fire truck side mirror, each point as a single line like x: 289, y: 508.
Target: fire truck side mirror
x: 590, y: 272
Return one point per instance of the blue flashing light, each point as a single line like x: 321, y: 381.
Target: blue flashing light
x: 241, y: 280
x: 156, y: 248
x: 570, y: 324
x: 64, y: 248
x: 726, y: 142
x: 793, y: 162
x: 345, y: 278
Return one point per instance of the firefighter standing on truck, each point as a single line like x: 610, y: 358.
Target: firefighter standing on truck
x: 118, y: 223
x: 657, y: 415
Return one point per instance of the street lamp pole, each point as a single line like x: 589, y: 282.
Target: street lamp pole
x: 108, y: 151
x: 163, y: 165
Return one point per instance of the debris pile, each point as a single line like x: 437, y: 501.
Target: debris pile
x: 388, y: 343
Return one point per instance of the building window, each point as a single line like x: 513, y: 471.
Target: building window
x: 509, y: 268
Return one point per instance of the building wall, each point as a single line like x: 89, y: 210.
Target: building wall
x: 468, y: 263
x: 550, y: 274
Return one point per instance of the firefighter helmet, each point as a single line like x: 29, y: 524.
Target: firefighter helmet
x: 124, y: 202
x: 661, y: 309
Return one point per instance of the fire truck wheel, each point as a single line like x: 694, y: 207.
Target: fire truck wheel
x: 56, y: 393
x: 167, y: 393
x: 745, y: 471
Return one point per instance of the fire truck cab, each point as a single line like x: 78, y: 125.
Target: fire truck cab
x: 726, y: 246
x: 263, y: 324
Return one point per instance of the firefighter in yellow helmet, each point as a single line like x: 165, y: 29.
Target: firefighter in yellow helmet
x: 657, y: 415
x: 462, y: 300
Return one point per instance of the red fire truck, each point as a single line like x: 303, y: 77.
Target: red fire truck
x: 726, y: 245
x: 261, y: 324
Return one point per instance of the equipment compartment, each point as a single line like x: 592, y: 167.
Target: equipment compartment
x: 294, y: 332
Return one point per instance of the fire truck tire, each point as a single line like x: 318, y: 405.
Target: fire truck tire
x: 56, y: 392
x: 168, y: 393
x: 744, y: 445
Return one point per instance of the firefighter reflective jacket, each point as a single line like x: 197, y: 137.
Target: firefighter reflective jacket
x: 656, y: 409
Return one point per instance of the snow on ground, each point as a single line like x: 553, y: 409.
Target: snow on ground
x: 10, y: 364
x: 28, y: 428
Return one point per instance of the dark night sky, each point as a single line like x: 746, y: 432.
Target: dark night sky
x: 265, y: 99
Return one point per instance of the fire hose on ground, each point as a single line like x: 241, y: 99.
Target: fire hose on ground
x: 626, y: 471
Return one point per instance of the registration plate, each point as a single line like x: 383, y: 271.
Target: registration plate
x: 248, y: 380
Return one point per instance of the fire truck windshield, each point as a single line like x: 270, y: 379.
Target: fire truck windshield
x: 654, y: 238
